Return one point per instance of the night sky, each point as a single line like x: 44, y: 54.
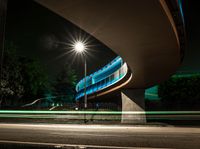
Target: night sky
x: 191, y: 60
x: 39, y: 33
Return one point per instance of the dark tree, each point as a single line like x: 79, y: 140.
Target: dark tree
x: 35, y: 79
x: 22, y: 80
x: 11, y: 86
x: 65, y: 84
x: 180, y: 92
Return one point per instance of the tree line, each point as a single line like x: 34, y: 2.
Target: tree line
x: 181, y: 92
x: 24, y: 79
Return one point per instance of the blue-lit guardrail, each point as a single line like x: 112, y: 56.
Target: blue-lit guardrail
x: 103, y: 78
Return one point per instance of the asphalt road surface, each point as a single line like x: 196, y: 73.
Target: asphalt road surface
x: 102, y: 136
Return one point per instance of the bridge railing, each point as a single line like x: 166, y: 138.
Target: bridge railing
x: 108, y: 80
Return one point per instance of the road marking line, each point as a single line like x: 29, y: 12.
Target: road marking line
x: 75, y: 145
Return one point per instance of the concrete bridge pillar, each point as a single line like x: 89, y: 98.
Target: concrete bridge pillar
x: 133, y: 101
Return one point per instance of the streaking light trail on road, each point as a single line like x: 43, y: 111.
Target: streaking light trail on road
x: 95, y: 112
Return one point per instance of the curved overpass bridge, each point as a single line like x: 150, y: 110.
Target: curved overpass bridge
x: 109, y: 78
x: 147, y: 34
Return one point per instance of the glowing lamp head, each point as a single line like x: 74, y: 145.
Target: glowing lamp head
x: 79, y: 47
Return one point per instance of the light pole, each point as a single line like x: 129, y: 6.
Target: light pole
x: 79, y: 47
x: 85, y: 95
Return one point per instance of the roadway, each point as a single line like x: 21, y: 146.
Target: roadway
x: 108, y: 136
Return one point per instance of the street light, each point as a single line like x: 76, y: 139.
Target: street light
x: 80, y: 48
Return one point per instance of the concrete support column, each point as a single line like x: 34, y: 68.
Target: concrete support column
x: 133, y: 101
